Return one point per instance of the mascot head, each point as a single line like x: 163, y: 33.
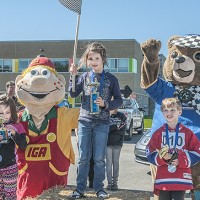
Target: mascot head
x: 40, y: 84
x: 182, y: 66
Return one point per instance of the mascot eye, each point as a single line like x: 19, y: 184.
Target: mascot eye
x: 174, y: 54
x: 46, y: 73
x: 196, y: 56
x: 34, y: 72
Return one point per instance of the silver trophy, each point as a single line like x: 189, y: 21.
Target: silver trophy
x: 94, y: 108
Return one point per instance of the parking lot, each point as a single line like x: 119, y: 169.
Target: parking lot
x: 133, y: 176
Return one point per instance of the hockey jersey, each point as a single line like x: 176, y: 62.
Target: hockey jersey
x: 188, y: 148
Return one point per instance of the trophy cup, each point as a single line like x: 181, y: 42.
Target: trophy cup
x: 94, y: 108
x: 4, y: 134
x: 172, y: 168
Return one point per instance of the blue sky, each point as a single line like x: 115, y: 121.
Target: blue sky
x: 100, y: 19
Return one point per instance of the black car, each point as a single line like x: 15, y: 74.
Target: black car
x: 140, y: 148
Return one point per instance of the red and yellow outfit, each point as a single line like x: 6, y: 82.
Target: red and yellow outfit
x: 47, y: 158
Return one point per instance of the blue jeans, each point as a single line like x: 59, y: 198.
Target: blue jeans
x: 92, y: 137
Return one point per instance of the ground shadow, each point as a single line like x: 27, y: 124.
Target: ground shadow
x: 61, y: 193
x: 135, y: 138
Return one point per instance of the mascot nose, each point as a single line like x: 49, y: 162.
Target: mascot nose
x: 179, y: 59
x: 39, y: 81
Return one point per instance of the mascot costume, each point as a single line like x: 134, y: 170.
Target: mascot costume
x: 181, y: 71
x: 49, y: 152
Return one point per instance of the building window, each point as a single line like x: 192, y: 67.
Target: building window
x: 135, y: 66
x: 5, y: 65
x: 123, y: 65
x: 61, y: 64
x: 1, y: 65
x: 23, y: 64
x: 118, y: 64
x: 113, y: 65
x: 83, y: 67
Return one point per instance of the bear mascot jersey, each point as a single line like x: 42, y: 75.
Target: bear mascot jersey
x: 46, y: 160
x: 181, y: 71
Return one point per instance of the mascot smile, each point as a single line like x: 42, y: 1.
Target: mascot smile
x: 46, y: 160
x: 40, y: 83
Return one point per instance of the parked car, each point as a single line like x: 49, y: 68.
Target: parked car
x: 135, y: 117
x: 140, y: 148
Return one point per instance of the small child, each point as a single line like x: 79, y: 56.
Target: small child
x: 97, y: 87
x: 173, y: 148
x: 114, y: 145
x: 11, y: 133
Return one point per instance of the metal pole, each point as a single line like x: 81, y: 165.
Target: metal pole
x: 75, y: 50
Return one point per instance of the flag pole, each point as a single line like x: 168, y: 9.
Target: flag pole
x: 75, y: 6
x: 75, y: 50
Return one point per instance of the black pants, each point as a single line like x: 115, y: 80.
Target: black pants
x: 171, y: 195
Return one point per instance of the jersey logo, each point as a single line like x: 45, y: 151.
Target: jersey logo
x: 38, y: 152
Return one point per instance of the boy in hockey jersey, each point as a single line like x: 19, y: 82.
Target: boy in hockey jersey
x: 173, y: 148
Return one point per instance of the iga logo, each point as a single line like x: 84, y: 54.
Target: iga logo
x: 36, y: 152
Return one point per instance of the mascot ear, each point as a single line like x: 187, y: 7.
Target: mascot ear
x: 175, y: 37
x: 62, y: 79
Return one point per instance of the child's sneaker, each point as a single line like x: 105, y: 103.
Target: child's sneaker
x: 101, y: 194
x: 115, y: 187
x: 78, y: 195
x: 109, y: 186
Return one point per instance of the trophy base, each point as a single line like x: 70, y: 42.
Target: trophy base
x: 93, y: 106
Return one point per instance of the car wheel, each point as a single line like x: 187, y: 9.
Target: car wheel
x: 141, y: 128
x: 129, y: 133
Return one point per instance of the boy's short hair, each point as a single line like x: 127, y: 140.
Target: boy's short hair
x: 171, y: 102
x: 10, y: 83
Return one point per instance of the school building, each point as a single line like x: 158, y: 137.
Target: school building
x: 124, y: 58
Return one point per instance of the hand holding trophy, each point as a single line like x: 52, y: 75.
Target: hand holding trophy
x: 5, y: 133
x: 94, y: 95
x: 170, y: 156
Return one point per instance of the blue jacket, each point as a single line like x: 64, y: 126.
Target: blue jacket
x: 109, y: 87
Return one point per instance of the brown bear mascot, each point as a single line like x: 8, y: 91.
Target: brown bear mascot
x: 181, y: 71
x: 46, y: 160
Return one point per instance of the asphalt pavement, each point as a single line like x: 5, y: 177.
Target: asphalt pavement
x: 133, y: 175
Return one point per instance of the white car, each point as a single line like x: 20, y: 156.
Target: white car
x: 135, y: 117
x: 140, y: 148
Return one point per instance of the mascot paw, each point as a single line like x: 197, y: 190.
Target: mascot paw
x: 151, y: 48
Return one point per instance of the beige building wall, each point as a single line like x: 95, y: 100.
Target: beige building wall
x: 120, y: 48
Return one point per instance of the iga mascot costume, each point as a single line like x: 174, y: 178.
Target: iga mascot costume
x: 181, y: 71
x: 46, y: 160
